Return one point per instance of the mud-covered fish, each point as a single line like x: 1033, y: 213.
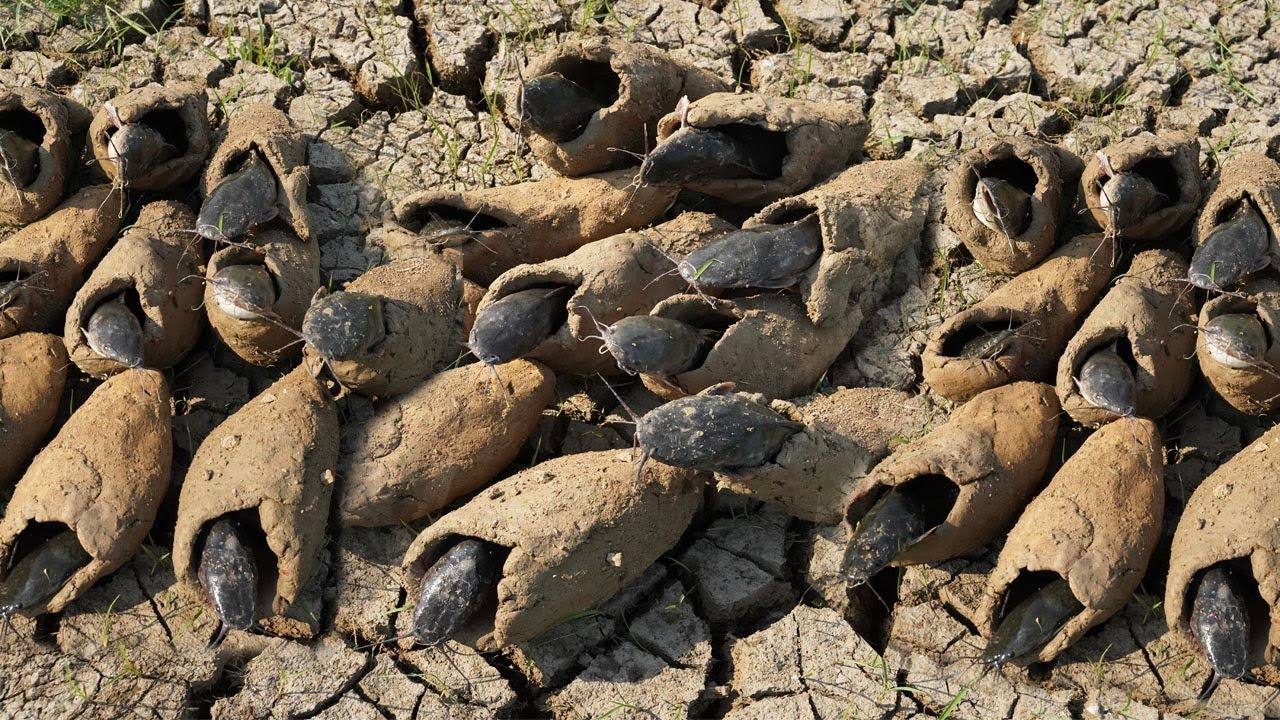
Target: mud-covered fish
x: 113, y: 331
x: 241, y: 201
x: 555, y: 107
x: 691, y: 154
x: 713, y: 431
x: 1232, y: 250
x: 1106, y: 381
x: 245, y: 292
x: 229, y: 576
x: 1032, y: 623
x: 514, y: 325
x: 344, y: 325
x: 136, y: 150
x: 655, y: 345
x: 455, y: 588
x: 765, y: 256
x: 1220, y: 622
x: 1235, y: 340
x: 19, y: 159
x: 903, y: 516
x: 39, y: 574
x: 1001, y: 206
x: 1128, y: 199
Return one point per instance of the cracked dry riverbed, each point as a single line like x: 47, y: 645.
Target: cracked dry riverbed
x: 744, y: 617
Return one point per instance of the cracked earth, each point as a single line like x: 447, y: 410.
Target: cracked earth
x: 744, y: 618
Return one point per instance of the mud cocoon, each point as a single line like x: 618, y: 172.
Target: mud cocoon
x: 63, y: 122
x: 994, y: 447
x: 263, y: 128
x: 1253, y: 390
x: 770, y: 346
x: 1047, y: 300
x: 1232, y: 515
x: 1247, y: 176
x: 395, y: 467
x: 188, y: 102
x: 1150, y: 310
x: 157, y: 259
x: 868, y: 215
x: 820, y: 138
x: 58, y: 251
x: 1095, y: 525
x: 103, y: 475
x: 1182, y: 154
x: 294, y: 266
x: 541, y: 220
x: 423, y: 314
x: 580, y: 528
x: 275, y: 458
x: 650, y: 82
x: 33, y: 369
x: 1057, y: 174
x: 623, y: 275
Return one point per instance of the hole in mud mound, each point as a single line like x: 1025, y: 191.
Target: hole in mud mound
x: 935, y: 495
x: 768, y: 146
x: 24, y: 122
x: 1124, y: 349
x: 32, y: 536
x: 170, y: 125
x: 597, y: 78
x: 1162, y: 174
x: 465, y: 219
x: 1013, y: 171
x: 1027, y: 584
x: 982, y: 340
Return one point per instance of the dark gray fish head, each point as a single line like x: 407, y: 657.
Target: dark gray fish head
x: 1106, y: 381
x: 1032, y: 623
x: 655, y: 345
x: 239, y: 203
x: 455, y: 588
x: 1220, y: 622
x: 228, y: 574
x: 1001, y: 206
x: 900, y: 518
x: 344, y: 325
x: 19, y: 159
x: 1236, y: 340
x: 763, y: 256
x: 1232, y: 250
x: 691, y: 154
x: 1128, y: 198
x: 136, y: 149
x: 714, y: 432
x: 245, y: 292
x: 43, y: 571
x: 113, y: 331
x: 555, y: 107
x: 512, y: 326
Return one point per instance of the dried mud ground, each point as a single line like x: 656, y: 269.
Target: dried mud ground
x: 736, y: 621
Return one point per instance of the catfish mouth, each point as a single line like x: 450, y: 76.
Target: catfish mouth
x: 596, y: 77
x: 32, y: 536
x: 1023, y: 587
x: 935, y: 493
x: 14, y: 288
